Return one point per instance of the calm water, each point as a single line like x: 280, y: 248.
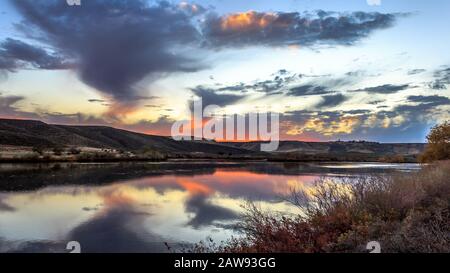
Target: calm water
x: 141, y: 206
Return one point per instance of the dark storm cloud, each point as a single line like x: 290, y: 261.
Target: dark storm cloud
x: 8, y: 64
x: 212, y: 97
x: 442, y: 79
x: 115, y: 43
x: 284, y: 28
x: 332, y: 100
x: 307, y: 90
x: 384, y: 89
x: 15, y: 54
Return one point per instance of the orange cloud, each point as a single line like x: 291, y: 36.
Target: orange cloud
x: 344, y: 125
x: 118, y: 110
x: 247, y: 20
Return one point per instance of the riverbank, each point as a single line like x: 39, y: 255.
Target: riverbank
x: 19, y: 154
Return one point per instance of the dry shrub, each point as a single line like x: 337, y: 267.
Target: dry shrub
x: 405, y: 213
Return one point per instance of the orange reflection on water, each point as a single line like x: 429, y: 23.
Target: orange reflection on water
x: 194, y: 187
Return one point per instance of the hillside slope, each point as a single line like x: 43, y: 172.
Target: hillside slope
x: 37, y: 133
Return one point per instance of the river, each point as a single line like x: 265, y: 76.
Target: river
x: 148, y: 207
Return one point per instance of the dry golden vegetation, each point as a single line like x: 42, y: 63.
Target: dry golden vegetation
x: 76, y: 154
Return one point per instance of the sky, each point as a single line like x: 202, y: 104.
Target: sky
x: 375, y: 70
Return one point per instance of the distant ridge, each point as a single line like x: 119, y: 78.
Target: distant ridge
x: 37, y: 133
x: 363, y: 147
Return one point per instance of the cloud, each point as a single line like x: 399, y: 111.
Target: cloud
x: 15, y: 54
x: 416, y: 71
x: 212, y: 97
x: 191, y: 9
x: 97, y: 100
x: 409, y: 122
x: 430, y: 100
x: 286, y: 82
x: 307, y: 90
x: 270, y: 86
x: 384, y: 89
x: 317, y: 125
x: 442, y: 79
x: 332, y: 100
x: 115, y: 44
x: 374, y: 2
x: 8, y: 108
x: 7, y: 102
x: 285, y: 28
x: 162, y: 126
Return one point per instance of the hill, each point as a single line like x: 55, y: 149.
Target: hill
x: 30, y: 133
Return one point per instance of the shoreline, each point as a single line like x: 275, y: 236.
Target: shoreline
x: 181, y: 160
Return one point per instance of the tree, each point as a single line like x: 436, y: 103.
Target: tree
x: 438, y: 147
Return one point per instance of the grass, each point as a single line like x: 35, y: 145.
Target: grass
x: 405, y: 213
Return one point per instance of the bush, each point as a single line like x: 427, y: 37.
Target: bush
x: 405, y: 213
x: 150, y: 153
x: 438, y: 147
x: 57, y: 151
x: 74, y: 151
x: 393, y: 159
